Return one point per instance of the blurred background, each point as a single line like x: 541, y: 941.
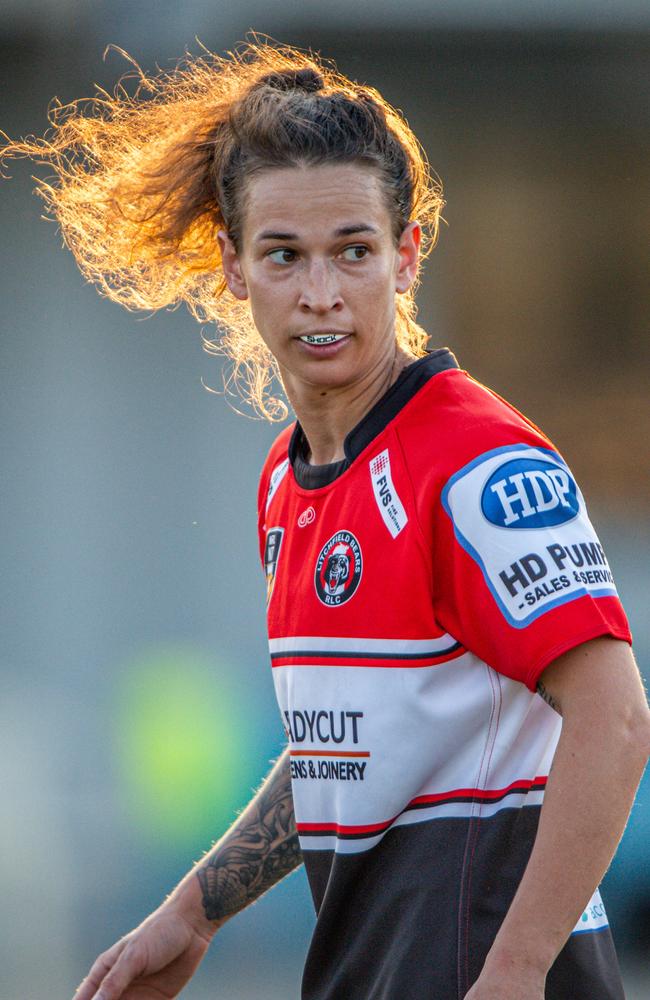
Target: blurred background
x: 137, y: 710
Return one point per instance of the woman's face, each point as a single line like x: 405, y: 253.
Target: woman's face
x: 320, y: 268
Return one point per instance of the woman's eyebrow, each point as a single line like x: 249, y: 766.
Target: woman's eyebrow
x: 352, y: 230
x: 359, y: 227
x: 272, y: 234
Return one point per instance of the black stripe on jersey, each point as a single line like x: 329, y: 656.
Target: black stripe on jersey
x: 536, y: 786
x: 427, y: 654
x: 327, y: 831
x: 377, y: 830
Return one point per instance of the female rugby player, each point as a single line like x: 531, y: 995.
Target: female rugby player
x: 443, y: 623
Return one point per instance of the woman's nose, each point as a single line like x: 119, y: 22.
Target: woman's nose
x: 320, y: 292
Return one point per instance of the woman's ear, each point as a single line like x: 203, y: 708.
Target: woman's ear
x: 408, y: 250
x: 231, y: 265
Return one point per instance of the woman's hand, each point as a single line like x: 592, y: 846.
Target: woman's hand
x: 490, y: 986
x: 153, y: 962
x: 157, y: 959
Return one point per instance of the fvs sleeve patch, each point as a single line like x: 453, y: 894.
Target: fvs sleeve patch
x: 520, y: 515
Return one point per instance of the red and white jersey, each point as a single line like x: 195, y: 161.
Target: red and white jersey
x: 416, y: 590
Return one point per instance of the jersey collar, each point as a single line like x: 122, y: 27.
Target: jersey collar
x: 409, y: 381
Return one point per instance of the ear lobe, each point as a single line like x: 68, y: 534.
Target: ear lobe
x: 231, y: 265
x: 408, y: 250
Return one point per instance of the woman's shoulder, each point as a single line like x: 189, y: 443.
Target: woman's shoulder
x: 457, y: 419
x: 280, y: 447
x: 276, y: 463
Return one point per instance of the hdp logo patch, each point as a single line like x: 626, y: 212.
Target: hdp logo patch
x: 338, y: 569
x: 527, y: 492
x: 528, y: 572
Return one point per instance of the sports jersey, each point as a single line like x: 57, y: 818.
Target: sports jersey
x: 416, y: 590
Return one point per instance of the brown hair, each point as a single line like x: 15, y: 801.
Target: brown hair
x: 144, y: 181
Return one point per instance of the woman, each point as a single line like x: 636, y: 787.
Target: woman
x: 443, y: 623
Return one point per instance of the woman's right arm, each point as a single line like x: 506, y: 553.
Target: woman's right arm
x: 158, y: 958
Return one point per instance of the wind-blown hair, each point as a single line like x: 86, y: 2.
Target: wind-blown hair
x: 143, y: 182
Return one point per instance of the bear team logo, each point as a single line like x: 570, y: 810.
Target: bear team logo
x: 338, y: 569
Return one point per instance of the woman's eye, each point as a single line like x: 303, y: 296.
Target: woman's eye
x: 282, y: 256
x: 354, y: 253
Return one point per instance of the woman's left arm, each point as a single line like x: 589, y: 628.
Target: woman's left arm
x: 601, y: 755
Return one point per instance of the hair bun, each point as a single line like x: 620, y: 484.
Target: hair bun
x: 309, y: 80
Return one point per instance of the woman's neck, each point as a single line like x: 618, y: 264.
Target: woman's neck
x: 328, y: 415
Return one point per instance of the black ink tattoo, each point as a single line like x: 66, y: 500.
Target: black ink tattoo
x: 258, y: 852
x: 548, y: 698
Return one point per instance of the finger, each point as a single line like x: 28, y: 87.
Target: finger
x: 130, y: 964
x: 100, y: 968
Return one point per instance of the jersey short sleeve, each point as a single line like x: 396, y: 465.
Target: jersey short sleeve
x: 521, y: 576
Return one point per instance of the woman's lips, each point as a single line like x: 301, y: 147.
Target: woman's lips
x: 323, y: 345
x: 322, y: 338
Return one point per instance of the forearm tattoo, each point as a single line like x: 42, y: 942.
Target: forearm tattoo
x: 258, y: 852
x: 548, y: 698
